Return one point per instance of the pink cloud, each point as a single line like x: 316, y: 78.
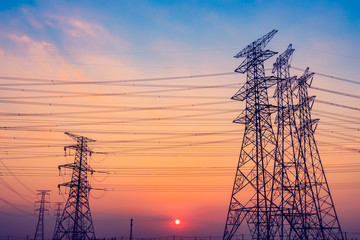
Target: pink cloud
x: 33, y: 45
x: 84, y: 26
x: 74, y: 27
x: 33, y: 22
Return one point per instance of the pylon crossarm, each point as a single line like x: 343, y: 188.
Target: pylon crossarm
x: 260, y: 56
x: 79, y: 138
x: 259, y: 43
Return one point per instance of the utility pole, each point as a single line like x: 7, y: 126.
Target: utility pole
x: 39, y: 233
x: 76, y: 221
x: 257, y: 155
x: 131, y: 229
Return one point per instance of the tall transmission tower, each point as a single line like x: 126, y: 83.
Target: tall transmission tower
x: 287, y: 195
x: 39, y: 233
x: 251, y: 194
x: 286, y: 190
x: 76, y: 222
x: 320, y: 220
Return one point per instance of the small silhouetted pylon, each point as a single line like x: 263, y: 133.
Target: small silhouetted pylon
x: 39, y: 233
x: 58, y: 211
x: 76, y: 221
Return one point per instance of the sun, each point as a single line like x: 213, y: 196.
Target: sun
x: 177, y: 221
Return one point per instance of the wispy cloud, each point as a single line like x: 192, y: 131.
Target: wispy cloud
x: 31, y: 19
x: 32, y: 45
x: 74, y: 27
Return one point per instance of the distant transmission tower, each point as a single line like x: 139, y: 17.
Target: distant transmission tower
x: 39, y: 233
x: 251, y: 194
x: 76, y: 222
x: 58, y: 212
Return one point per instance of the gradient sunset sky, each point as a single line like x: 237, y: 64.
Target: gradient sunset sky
x: 119, y: 72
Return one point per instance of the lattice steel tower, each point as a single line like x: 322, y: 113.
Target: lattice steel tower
x: 251, y: 194
x: 319, y: 220
x: 39, y: 233
x: 76, y: 221
x: 301, y: 194
x: 280, y: 186
x: 287, y: 189
x: 58, y: 211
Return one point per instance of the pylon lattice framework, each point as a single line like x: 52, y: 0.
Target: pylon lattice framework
x: 319, y: 216
x: 76, y: 221
x: 257, y: 153
x: 39, y: 233
x: 286, y: 191
x: 58, y: 212
x: 290, y: 195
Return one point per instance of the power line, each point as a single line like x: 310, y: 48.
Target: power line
x: 336, y: 92
x: 330, y: 76
x: 338, y: 105
x: 69, y: 82
x: 15, y: 207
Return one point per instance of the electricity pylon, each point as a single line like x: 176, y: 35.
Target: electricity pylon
x: 298, y: 164
x: 251, y: 194
x: 58, y: 212
x: 320, y: 220
x: 76, y: 222
x: 287, y: 190
x: 39, y: 233
x: 280, y: 186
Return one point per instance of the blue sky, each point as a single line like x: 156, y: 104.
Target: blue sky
x: 323, y: 26
x: 210, y: 31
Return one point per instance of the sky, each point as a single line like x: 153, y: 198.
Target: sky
x: 130, y: 75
